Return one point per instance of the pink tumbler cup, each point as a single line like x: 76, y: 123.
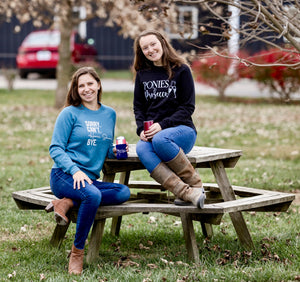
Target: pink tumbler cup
x: 147, y: 124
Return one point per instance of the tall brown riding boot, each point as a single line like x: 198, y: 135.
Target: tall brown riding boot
x: 76, y: 261
x: 169, y: 180
x: 184, y: 169
x: 60, y: 207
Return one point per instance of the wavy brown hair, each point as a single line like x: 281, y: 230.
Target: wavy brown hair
x: 73, y: 98
x: 170, y: 59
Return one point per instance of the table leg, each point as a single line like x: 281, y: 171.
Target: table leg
x: 116, y: 221
x: 207, y: 229
x: 189, y: 237
x: 59, y: 235
x: 229, y: 195
x: 95, y: 241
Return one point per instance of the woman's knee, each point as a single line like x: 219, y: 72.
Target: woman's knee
x: 121, y: 194
x: 159, y: 139
x: 124, y: 194
x: 143, y: 149
x: 92, y: 195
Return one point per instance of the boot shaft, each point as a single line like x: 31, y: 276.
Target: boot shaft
x: 169, y: 180
x: 184, y: 169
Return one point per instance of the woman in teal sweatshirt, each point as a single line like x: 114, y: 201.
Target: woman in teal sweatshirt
x: 82, y: 138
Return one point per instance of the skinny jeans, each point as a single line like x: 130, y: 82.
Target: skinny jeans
x: 87, y: 199
x: 165, y: 145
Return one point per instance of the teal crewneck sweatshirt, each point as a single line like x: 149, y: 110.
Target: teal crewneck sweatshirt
x: 82, y: 139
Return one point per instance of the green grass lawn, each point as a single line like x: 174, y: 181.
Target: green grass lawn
x: 154, y: 250
x: 117, y: 74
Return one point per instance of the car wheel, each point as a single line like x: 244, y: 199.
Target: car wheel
x: 23, y: 74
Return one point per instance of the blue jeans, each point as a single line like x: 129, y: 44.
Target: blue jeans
x: 165, y: 145
x: 88, y: 199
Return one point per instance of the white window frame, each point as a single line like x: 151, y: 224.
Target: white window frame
x: 82, y: 27
x: 194, y: 28
x: 287, y: 8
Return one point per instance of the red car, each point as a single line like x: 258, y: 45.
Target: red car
x: 39, y: 52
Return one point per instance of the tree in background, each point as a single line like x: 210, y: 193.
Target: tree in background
x: 271, y: 22
x: 122, y: 13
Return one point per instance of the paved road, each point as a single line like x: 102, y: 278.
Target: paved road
x: 242, y: 88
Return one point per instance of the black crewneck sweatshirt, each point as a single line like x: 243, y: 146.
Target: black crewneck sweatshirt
x: 168, y: 102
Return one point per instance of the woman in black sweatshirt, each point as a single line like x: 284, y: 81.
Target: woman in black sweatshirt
x: 164, y: 92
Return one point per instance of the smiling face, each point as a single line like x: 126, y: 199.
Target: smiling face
x: 152, y: 49
x: 88, y: 88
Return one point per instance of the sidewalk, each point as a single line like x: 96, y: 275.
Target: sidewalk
x: 242, y: 88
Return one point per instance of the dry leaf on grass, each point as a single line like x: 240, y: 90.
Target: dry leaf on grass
x: 142, y: 247
x: 152, y: 265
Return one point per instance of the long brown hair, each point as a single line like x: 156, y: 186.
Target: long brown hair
x: 73, y: 98
x: 170, y: 58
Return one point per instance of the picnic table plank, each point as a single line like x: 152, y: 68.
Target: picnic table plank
x: 266, y: 198
x: 199, y: 157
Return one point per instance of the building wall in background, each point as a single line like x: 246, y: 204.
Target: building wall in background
x: 114, y: 52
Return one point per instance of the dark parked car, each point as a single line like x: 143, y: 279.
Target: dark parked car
x: 39, y: 52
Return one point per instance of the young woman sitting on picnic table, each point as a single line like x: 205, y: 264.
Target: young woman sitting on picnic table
x: 164, y: 92
x: 82, y: 139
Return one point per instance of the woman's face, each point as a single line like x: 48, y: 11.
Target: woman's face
x: 152, y: 49
x: 88, y: 88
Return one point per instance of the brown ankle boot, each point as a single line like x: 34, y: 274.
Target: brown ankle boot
x: 76, y: 261
x: 169, y: 180
x: 60, y: 207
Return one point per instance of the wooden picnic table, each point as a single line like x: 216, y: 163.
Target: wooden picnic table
x: 221, y: 198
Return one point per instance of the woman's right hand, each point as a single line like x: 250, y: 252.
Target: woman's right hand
x: 153, y: 129
x: 79, y: 179
x: 143, y: 136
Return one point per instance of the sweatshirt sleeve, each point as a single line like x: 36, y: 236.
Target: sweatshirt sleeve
x: 110, y: 153
x: 139, y: 103
x: 62, y: 131
x: 186, y: 100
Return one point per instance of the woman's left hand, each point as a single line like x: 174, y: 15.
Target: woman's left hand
x: 153, y: 129
x: 115, y: 149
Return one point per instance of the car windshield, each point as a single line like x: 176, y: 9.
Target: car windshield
x: 43, y: 39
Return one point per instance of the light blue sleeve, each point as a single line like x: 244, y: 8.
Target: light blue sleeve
x: 110, y: 153
x: 62, y: 131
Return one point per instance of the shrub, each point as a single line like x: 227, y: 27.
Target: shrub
x: 214, y: 70
x: 276, y: 76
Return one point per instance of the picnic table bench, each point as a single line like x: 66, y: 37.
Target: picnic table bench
x: 150, y: 196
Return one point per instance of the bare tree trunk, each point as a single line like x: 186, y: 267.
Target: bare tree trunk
x: 64, y: 66
x: 222, y: 96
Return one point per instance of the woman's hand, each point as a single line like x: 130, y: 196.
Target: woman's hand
x: 115, y: 149
x: 153, y: 129
x: 143, y: 137
x: 79, y: 179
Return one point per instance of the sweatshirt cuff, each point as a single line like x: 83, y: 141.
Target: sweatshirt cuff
x: 74, y: 170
